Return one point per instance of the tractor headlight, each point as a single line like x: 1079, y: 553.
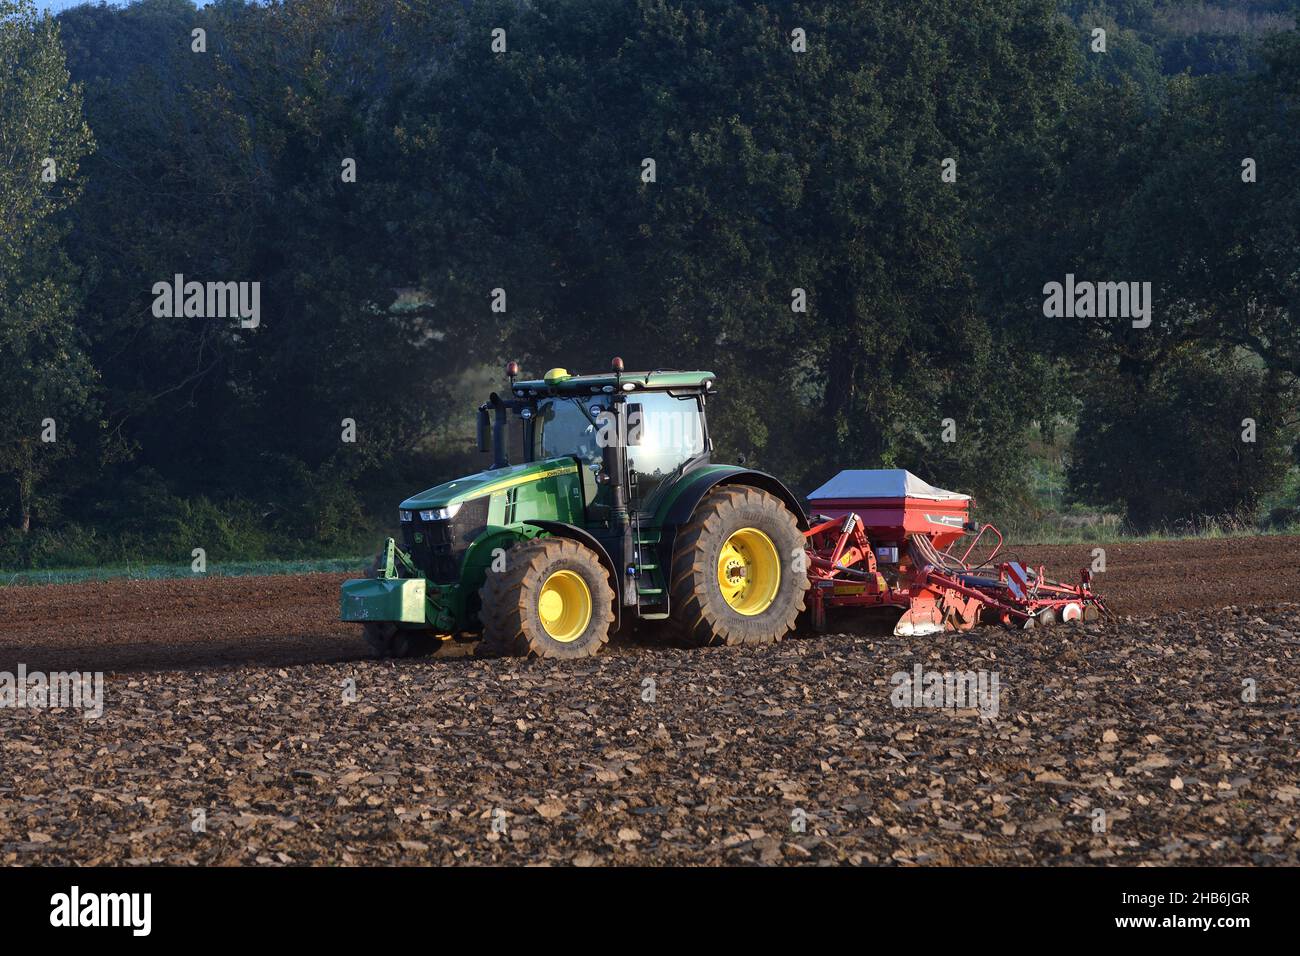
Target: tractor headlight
x: 405, y: 515
x: 440, y: 514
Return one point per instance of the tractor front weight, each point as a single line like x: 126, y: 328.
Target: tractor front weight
x: 397, y: 592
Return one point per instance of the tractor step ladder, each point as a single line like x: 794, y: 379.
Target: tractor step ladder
x: 651, y: 601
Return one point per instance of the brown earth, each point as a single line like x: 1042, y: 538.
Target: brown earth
x: 231, y: 696
x: 292, y: 619
x: 1151, y: 576
x: 186, y: 622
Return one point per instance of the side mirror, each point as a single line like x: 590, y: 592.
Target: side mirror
x: 484, y: 425
x: 635, y: 421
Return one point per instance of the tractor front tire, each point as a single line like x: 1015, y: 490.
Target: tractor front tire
x: 554, y: 599
x: 738, y: 575
x: 386, y: 639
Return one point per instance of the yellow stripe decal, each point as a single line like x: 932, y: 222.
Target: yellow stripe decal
x: 524, y: 479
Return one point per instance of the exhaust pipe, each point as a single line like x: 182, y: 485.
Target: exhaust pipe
x: 484, y: 423
x: 499, y: 423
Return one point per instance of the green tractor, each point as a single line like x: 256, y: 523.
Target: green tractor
x: 616, y: 513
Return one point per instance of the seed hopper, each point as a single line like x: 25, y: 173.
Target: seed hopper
x: 885, y: 538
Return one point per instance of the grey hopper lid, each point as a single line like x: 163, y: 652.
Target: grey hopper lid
x: 882, y: 483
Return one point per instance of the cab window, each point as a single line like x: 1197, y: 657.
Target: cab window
x: 565, y: 427
x: 664, y: 433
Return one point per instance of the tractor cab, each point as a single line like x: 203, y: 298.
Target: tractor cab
x: 657, y: 418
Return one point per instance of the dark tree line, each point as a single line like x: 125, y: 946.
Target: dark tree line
x: 911, y: 174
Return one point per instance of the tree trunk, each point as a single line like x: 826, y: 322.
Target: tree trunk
x: 846, y: 435
x: 24, y: 503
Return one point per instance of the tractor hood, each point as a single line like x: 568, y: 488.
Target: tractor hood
x: 488, y: 482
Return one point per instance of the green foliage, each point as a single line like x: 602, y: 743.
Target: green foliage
x: 227, y: 166
x: 774, y: 171
x: 1132, y: 196
x: 143, y: 521
x: 1131, y: 57
x: 1157, y: 444
x: 45, y: 378
x: 63, y: 574
x: 522, y: 170
x: 1147, y: 38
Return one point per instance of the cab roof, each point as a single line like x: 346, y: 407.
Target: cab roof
x: 559, y: 381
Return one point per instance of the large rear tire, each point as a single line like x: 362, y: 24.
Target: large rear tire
x: 554, y: 599
x: 738, y: 574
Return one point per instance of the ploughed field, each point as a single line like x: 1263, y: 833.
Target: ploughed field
x: 1119, y: 742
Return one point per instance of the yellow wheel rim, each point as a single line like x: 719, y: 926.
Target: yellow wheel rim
x: 564, y: 606
x: 749, y: 571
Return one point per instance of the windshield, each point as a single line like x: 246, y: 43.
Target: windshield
x: 565, y: 426
x: 665, y: 433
